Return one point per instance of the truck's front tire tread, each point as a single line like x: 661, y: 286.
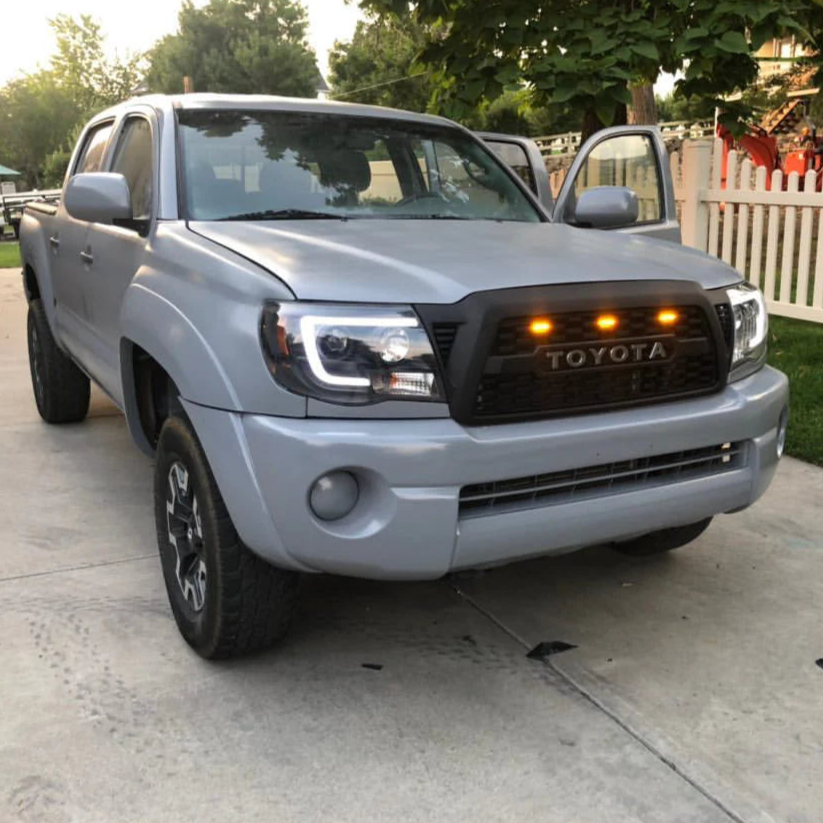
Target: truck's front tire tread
x: 249, y: 604
x: 663, y: 541
x: 64, y: 391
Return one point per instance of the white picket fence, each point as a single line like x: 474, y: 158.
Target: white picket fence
x: 567, y: 143
x: 774, y: 238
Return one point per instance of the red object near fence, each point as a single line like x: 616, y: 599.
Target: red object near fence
x: 763, y: 150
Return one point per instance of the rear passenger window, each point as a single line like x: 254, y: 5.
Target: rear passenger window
x: 384, y: 187
x: 459, y: 178
x: 515, y: 157
x: 91, y: 158
x: 133, y: 159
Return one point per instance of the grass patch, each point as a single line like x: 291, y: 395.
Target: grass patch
x: 9, y: 255
x: 796, y: 348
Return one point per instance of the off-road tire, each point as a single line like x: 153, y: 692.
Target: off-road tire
x: 61, y: 390
x: 248, y: 604
x: 662, y: 541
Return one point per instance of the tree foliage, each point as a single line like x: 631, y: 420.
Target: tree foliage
x: 41, y: 113
x: 81, y: 65
x: 237, y: 46
x: 588, y: 53
x: 689, y: 109
x: 514, y: 112
x: 377, y: 66
x: 36, y: 115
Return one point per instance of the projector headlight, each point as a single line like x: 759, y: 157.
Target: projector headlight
x: 350, y: 354
x: 751, y: 330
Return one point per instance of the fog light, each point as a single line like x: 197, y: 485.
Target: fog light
x: 782, y: 427
x: 334, y: 495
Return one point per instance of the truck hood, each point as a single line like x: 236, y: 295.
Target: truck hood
x: 431, y: 261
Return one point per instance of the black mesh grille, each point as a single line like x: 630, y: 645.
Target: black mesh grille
x: 517, y: 382
x: 597, y: 481
x: 724, y: 315
x: 444, y: 334
x: 514, y: 337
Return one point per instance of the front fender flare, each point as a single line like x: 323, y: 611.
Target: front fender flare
x: 156, y: 325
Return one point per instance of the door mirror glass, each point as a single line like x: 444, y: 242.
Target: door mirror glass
x: 629, y: 161
x: 606, y: 208
x: 98, y: 197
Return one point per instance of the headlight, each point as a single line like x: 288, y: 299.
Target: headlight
x: 351, y: 354
x: 751, y: 329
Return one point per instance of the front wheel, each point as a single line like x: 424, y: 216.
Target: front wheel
x: 225, y: 600
x: 662, y: 541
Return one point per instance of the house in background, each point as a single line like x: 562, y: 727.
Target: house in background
x: 779, y: 57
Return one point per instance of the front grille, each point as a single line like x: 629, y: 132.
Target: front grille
x: 514, y: 337
x: 521, y: 380
x: 598, y: 481
x: 530, y: 393
x: 444, y: 334
x: 726, y: 318
x: 496, y: 371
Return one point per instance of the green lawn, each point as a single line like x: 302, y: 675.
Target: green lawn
x: 796, y: 348
x: 9, y: 255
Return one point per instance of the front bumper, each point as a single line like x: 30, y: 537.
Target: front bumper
x: 407, y: 523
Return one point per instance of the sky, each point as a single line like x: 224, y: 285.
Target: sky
x: 135, y: 26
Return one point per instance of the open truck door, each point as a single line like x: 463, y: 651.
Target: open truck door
x: 621, y: 181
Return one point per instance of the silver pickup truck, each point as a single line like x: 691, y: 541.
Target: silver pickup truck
x: 358, y: 342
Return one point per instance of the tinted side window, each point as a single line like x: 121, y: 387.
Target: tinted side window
x: 461, y: 178
x: 91, y: 158
x: 133, y: 159
x: 514, y: 156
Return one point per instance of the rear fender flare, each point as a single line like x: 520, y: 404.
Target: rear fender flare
x: 37, y: 264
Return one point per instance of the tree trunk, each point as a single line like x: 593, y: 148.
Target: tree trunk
x: 644, y: 107
x: 592, y: 124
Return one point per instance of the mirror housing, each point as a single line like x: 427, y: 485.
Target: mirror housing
x: 606, y: 207
x: 98, y: 197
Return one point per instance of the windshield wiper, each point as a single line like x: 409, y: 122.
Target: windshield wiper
x: 423, y: 217
x: 286, y: 214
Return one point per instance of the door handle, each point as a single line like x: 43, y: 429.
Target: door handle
x: 54, y: 241
x: 87, y: 257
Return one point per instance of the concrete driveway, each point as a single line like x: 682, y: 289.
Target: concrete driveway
x: 692, y: 693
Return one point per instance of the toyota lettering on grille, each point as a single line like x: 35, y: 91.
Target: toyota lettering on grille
x: 614, y: 354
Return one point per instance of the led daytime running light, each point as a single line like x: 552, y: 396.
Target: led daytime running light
x: 308, y: 329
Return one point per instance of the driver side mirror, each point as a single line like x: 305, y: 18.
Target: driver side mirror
x: 606, y: 207
x: 98, y: 197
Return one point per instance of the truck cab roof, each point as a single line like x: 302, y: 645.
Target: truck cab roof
x: 266, y: 102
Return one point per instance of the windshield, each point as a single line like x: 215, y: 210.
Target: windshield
x: 268, y: 165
